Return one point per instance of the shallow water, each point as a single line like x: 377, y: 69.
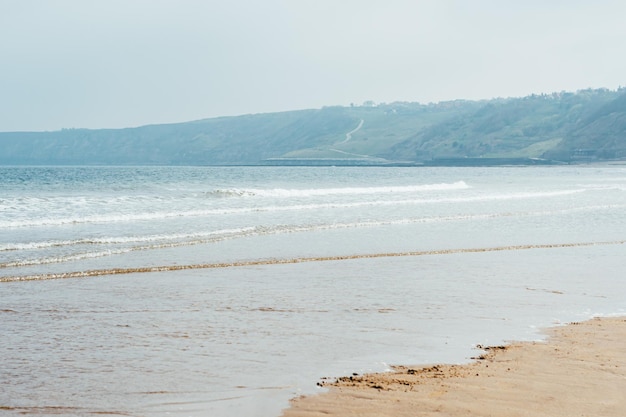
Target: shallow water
x: 495, y: 254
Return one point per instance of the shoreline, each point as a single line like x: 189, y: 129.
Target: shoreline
x: 580, y: 369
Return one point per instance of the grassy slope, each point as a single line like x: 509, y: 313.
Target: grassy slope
x: 534, y: 126
x: 523, y: 127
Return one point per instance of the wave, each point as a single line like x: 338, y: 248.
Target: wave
x: 120, y: 239
x: 196, y: 239
x: 261, y: 262
x: 62, y: 259
x: 148, y: 216
x: 315, y: 192
x: 155, y: 242
x: 116, y: 218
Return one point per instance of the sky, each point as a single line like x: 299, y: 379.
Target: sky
x: 125, y: 63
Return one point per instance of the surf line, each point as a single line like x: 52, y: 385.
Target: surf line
x: 273, y: 261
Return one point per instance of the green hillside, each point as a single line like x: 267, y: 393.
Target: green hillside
x: 581, y: 126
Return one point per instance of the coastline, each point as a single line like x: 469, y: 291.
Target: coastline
x: 580, y: 369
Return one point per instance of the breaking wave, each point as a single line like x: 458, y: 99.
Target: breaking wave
x: 159, y: 215
x: 316, y: 192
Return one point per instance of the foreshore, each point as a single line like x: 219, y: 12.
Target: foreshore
x: 579, y: 370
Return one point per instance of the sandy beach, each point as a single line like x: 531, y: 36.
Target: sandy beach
x: 580, y: 370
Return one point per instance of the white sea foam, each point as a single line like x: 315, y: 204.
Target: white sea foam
x: 159, y: 215
x: 116, y: 240
x: 315, y: 192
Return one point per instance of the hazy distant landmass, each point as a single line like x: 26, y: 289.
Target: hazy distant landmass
x: 588, y: 125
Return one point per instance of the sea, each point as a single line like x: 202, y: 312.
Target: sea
x: 228, y: 291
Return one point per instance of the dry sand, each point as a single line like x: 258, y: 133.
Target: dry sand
x: 579, y: 371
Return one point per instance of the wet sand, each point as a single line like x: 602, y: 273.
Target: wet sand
x: 580, y: 370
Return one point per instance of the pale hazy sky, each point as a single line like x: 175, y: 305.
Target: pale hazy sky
x: 121, y: 63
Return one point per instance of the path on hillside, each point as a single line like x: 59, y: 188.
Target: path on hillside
x: 347, y: 139
x: 349, y: 134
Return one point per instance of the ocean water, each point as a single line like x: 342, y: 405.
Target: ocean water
x: 226, y: 291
